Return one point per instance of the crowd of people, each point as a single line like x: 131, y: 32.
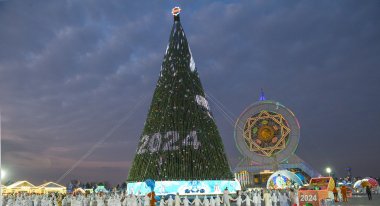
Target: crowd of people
x: 248, y: 198
x: 340, y: 194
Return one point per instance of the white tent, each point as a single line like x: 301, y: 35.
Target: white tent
x: 20, y: 186
x: 50, y: 187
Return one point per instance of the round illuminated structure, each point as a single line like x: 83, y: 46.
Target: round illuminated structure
x: 267, y: 135
x: 267, y: 132
x: 366, y: 181
x: 283, y: 179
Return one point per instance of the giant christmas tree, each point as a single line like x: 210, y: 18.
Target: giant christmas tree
x: 180, y: 140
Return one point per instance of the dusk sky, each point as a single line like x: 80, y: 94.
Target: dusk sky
x: 77, y: 72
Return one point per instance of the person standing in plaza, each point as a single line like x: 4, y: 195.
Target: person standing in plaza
x: 283, y: 199
x: 369, y: 192
x: 226, y: 198
x: 293, y: 196
x: 186, y: 201
x: 340, y: 198
x: 343, y: 190
x: 217, y: 200
x: 177, y: 200
x: 267, y: 198
x: 205, y: 201
x: 170, y: 201
x: 335, y: 192
x: 212, y: 201
x: 247, y: 200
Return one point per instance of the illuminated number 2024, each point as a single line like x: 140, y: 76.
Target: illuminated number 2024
x: 167, y: 142
x: 305, y: 198
x: 191, y: 140
x: 155, y: 142
x: 144, y: 141
x: 171, y: 139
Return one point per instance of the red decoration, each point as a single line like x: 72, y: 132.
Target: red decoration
x: 176, y: 11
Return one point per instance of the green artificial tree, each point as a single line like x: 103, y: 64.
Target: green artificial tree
x: 180, y: 140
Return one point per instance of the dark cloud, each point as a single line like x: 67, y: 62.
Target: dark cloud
x: 71, y: 70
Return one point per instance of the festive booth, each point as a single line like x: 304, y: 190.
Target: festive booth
x: 318, y: 192
x: 20, y: 187
x: 78, y: 191
x: 372, y: 181
x: 283, y: 179
x: 368, y: 181
x: 51, y: 187
x: 358, y: 184
x: 89, y: 191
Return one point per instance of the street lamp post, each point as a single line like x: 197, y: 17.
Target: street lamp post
x: 328, y: 170
x: 2, y: 175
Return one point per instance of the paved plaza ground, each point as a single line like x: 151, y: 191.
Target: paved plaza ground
x: 355, y: 201
x: 361, y: 201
